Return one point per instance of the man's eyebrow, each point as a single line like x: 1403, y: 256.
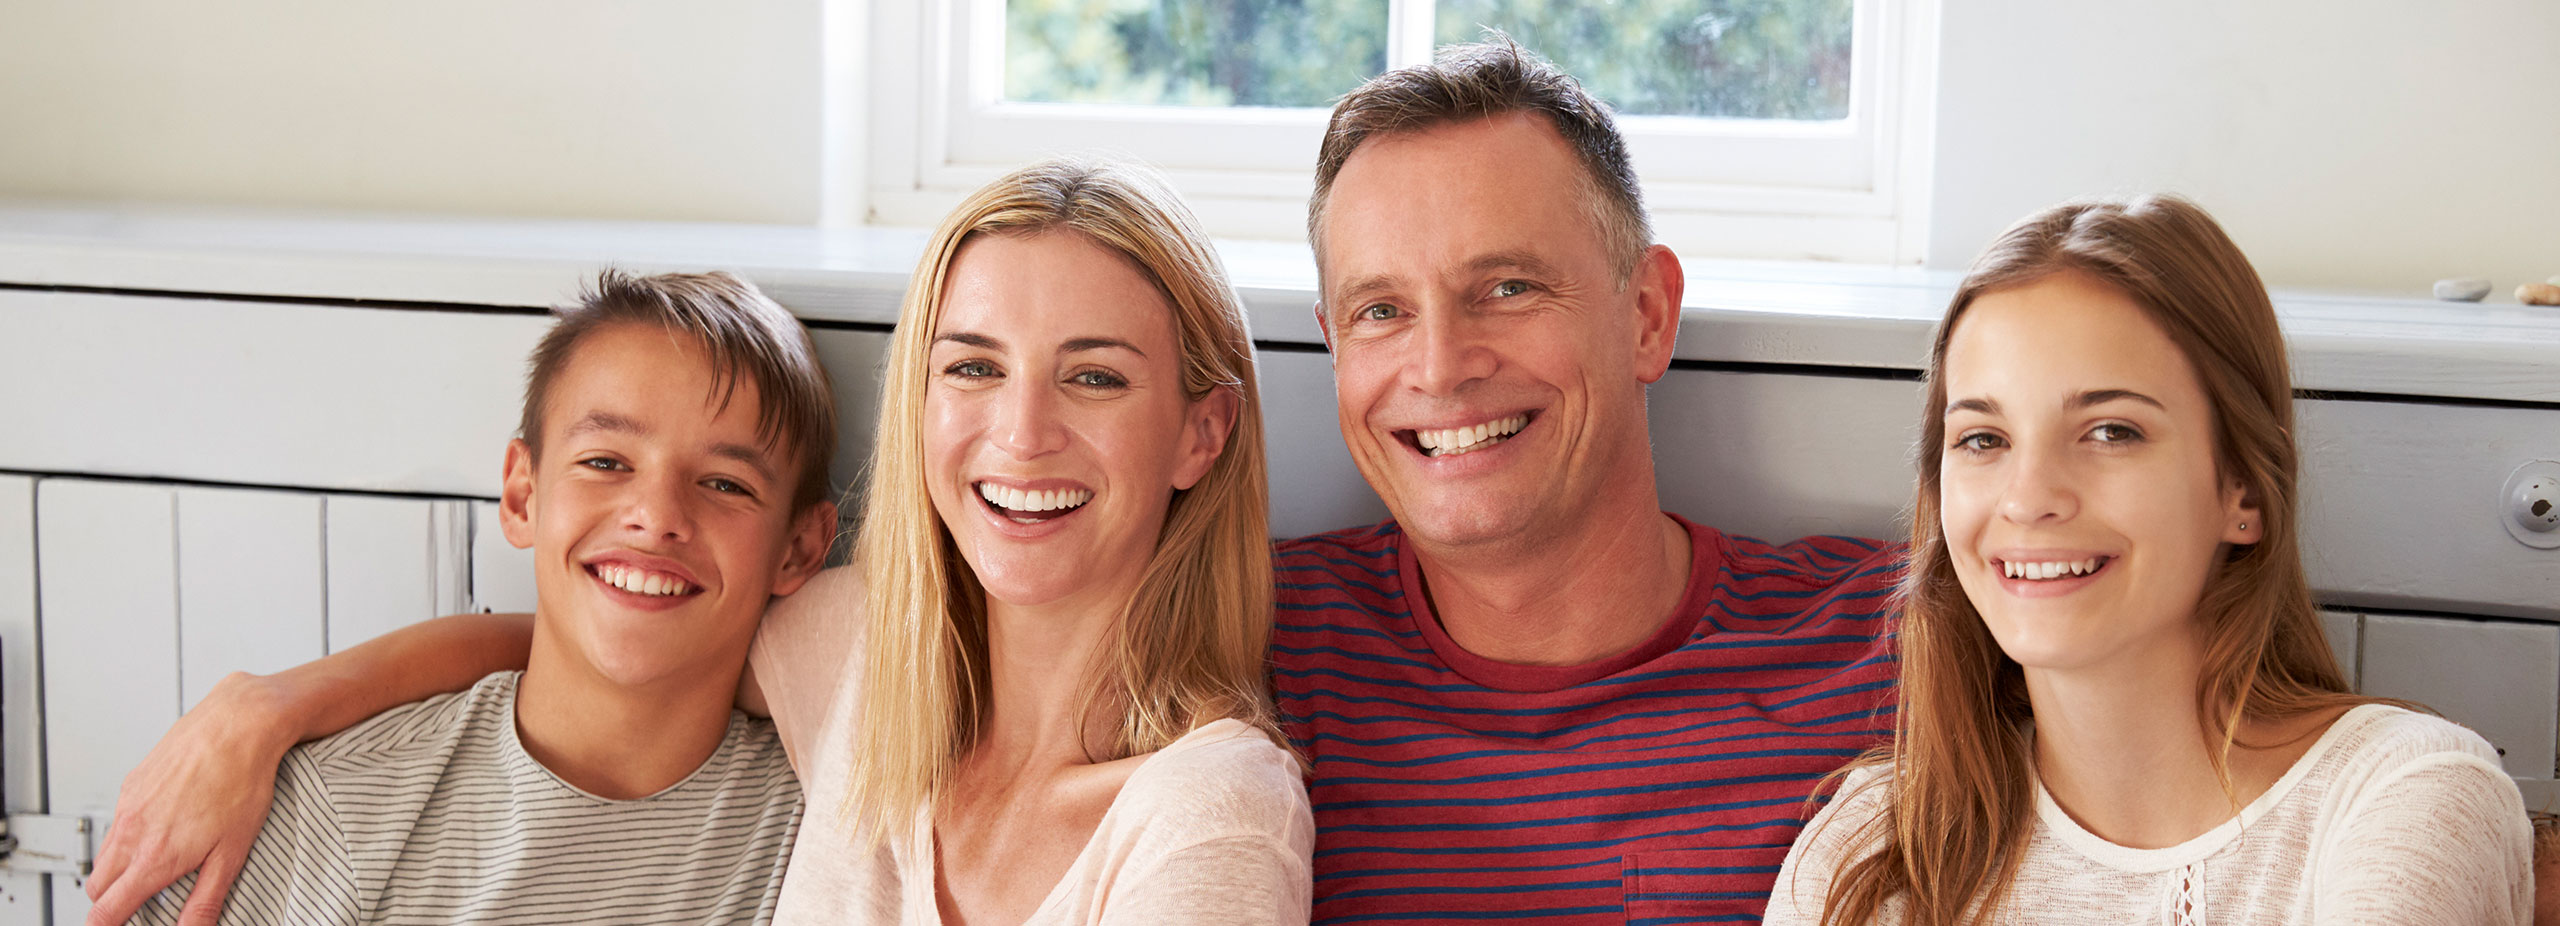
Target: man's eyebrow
x: 1092, y: 343
x: 605, y: 421
x: 1984, y: 406
x: 1523, y: 261
x: 2103, y: 396
x: 970, y: 338
x: 1346, y: 299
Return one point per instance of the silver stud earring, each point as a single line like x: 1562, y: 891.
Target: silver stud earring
x: 2244, y: 525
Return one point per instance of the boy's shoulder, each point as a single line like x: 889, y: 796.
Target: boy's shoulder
x: 401, y: 736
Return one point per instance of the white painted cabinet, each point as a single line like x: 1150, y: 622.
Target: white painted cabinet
x: 22, y: 896
x: 501, y: 575
x: 1314, y: 485
x: 394, y: 562
x: 2500, y: 678
x: 2346, y: 633
x: 252, y: 584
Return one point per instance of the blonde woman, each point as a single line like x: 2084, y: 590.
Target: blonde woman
x: 1037, y: 694
x: 2117, y: 705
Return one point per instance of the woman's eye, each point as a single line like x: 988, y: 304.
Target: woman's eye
x: 1978, y: 442
x: 2115, y: 434
x: 1508, y: 288
x: 1380, y: 312
x: 971, y: 369
x: 1099, y: 379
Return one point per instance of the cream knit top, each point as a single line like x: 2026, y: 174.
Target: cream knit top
x: 2392, y: 817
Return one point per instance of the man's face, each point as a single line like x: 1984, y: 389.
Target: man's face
x: 1489, y: 364
x: 660, y: 525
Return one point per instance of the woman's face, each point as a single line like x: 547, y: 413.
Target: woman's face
x: 1056, y: 428
x: 2078, y: 490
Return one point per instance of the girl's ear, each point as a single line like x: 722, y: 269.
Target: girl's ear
x: 2242, y: 520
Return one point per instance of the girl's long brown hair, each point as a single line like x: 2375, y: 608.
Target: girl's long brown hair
x: 1958, y: 801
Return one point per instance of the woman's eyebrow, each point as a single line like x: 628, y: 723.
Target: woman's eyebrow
x: 970, y: 338
x: 2104, y: 396
x: 1093, y: 343
x: 1985, y: 406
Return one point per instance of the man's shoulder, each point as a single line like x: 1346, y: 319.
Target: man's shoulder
x: 1822, y: 561
x: 1353, y: 565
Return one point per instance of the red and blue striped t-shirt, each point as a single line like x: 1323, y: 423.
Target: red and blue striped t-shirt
x: 1662, y: 785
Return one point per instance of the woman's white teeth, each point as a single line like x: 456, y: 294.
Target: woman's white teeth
x: 641, y: 581
x: 1453, y: 441
x: 1013, y: 499
x: 2041, y: 571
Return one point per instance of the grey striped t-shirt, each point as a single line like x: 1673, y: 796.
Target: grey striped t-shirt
x: 433, y: 813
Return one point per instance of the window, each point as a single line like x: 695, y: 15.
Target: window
x: 1761, y: 128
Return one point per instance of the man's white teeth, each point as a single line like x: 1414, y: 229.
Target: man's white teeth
x: 2039, y: 572
x: 1013, y: 499
x: 1454, y: 441
x: 641, y: 581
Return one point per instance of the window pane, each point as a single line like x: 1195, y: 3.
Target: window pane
x: 1192, y: 52
x: 1743, y: 59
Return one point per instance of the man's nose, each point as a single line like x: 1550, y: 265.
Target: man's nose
x: 1448, y: 353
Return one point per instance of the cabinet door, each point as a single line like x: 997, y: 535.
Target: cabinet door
x: 251, y: 585
x: 1314, y: 486
x: 394, y: 562
x: 21, y: 728
x: 1781, y: 456
x: 2346, y: 632
x: 108, y: 608
x: 501, y: 575
x: 2500, y: 678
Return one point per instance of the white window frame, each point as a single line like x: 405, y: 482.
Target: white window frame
x: 1847, y: 190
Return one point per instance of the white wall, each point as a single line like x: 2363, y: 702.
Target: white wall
x: 2348, y: 143
x: 660, y: 109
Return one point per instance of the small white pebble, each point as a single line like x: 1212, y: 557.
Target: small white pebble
x: 2539, y: 294
x: 2462, y: 289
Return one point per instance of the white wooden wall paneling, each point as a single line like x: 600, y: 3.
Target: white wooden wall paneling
x: 22, y: 896
x: 501, y: 575
x: 2500, y: 678
x: 251, y: 584
x: 1782, y: 456
x: 2346, y: 637
x: 853, y: 360
x: 392, y: 562
x: 2401, y: 507
x: 108, y: 589
x: 317, y: 397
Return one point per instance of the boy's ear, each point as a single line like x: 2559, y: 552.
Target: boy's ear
x: 1204, y: 434
x: 813, y: 533
x: 515, y: 496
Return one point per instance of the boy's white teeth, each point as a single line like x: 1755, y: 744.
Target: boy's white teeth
x: 2039, y: 572
x: 640, y: 581
x: 1454, y: 441
x: 1013, y: 499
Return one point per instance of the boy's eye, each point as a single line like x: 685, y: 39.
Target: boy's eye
x: 728, y: 486
x: 606, y: 464
x: 1508, y: 288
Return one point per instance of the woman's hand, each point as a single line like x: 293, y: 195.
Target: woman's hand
x: 195, y: 803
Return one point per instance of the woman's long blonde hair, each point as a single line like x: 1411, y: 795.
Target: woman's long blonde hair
x: 1191, y: 645
x: 1959, y: 805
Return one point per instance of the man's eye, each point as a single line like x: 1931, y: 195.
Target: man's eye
x: 1380, y: 312
x: 1509, y: 288
x: 971, y: 369
x: 1100, y: 379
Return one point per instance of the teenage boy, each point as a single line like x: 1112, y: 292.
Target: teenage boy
x: 670, y: 480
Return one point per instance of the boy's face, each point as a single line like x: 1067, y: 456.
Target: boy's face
x: 660, y: 524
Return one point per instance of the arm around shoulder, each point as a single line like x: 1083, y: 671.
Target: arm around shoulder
x: 2438, y: 838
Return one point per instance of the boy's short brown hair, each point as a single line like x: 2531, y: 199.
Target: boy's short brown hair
x: 747, y: 335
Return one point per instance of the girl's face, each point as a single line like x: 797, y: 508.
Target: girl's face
x: 1056, y: 426
x: 2079, y: 491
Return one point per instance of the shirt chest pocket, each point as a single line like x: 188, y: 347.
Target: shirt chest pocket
x: 1729, y: 885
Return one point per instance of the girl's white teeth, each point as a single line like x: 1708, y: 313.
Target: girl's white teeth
x: 641, y: 581
x: 2038, y: 572
x: 1013, y: 499
x: 1454, y: 441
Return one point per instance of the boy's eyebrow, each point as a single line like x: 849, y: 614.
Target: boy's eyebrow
x: 605, y: 421
x: 744, y: 454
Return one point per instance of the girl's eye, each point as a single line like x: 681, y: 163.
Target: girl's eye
x: 1978, y: 442
x: 1509, y: 288
x: 971, y: 369
x: 2112, y: 433
x: 1380, y: 312
x: 1100, y: 379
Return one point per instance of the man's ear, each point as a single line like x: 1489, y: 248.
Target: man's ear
x: 515, y: 496
x: 1324, y: 326
x: 2243, y: 519
x: 1204, y: 432
x: 813, y: 533
x: 1658, y: 281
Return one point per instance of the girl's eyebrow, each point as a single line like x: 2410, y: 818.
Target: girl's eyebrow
x: 2103, y: 396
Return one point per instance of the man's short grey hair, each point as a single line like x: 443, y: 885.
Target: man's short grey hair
x: 1480, y: 80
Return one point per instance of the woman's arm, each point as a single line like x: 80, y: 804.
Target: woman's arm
x: 198, y: 800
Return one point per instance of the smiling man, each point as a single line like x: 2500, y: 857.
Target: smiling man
x: 670, y: 481
x: 1533, y: 694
